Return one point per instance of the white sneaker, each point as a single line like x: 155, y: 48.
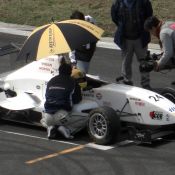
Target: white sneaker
x: 65, y: 132
x: 51, y: 132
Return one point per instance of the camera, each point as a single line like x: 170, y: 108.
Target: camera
x: 147, y: 64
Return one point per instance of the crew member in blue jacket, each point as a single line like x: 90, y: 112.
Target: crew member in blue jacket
x: 61, y: 93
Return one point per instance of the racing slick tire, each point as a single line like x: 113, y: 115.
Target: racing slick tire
x: 103, y: 125
x: 169, y: 93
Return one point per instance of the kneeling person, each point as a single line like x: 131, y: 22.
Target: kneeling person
x: 61, y: 93
x: 165, y: 32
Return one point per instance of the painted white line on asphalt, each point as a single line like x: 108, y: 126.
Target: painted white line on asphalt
x: 36, y: 137
x: 107, y: 45
x: 125, y: 143
x: 90, y: 145
x: 100, y: 147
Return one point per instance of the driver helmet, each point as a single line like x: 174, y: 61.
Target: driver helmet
x: 80, y: 77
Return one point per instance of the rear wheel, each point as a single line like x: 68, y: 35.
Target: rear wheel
x: 169, y: 93
x: 104, y: 125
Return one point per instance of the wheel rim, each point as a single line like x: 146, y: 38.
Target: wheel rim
x: 169, y: 96
x: 98, y: 125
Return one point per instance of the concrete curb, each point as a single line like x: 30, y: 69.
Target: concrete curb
x: 25, y: 30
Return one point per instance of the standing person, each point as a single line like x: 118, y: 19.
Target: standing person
x: 165, y: 32
x: 129, y: 17
x: 81, y: 56
x: 61, y: 93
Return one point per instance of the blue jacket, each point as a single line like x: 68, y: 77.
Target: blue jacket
x: 61, y: 93
x: 145, y: 11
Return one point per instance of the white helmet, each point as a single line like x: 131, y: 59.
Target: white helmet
x: 90, y: 19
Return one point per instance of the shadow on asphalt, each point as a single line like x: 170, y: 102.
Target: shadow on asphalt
x: 81, y: 136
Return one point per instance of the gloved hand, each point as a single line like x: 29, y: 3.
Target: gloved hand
x: 147, y: 66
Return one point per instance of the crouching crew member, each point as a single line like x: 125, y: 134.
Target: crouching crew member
x: 61, y: 93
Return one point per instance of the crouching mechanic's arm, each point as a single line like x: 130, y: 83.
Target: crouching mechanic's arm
x: 167, y: 45
x: 77, y: 96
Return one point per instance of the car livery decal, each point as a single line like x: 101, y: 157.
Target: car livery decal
x: 107, y: 103
x: 140, y: 103
x: 156, y: 97
x: 99, y: 96
x: 88, y: 94
x: 135, y: 99
x: 156, y: 115
x: 172, y: 109
x: 167, y: 117
x: 38, y: 87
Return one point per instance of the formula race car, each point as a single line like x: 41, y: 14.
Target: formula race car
x: 105, y: 106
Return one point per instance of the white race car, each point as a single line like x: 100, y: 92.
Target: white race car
x: 104, y: 106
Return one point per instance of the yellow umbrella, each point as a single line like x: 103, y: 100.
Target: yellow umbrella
x: 58, y: 38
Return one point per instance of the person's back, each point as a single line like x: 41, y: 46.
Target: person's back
x: 82, y: 55
x: 62, y: 91
x: 167, y: 38
x: 85, y: 52
x: 168, y: 29
x: 58, y: 93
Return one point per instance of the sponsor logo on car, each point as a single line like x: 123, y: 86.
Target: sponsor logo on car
x: 140, y: 103
x: 135, y: 99
x: 107, y: 103
x: 167, y: 117
x: 38, y: 87
x: 99, y: 96
x: 88, y: 95
x: 156, y: 115
x: 172, y: 109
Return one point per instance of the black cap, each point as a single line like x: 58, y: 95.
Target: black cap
x: 151, y: 22
x: 65, y: 69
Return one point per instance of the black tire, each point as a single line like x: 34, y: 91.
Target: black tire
x: 104, y: 125
x: 3, y: 112
x: 169, y: 93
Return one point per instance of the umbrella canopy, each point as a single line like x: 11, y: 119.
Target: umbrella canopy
x: 58, y: 38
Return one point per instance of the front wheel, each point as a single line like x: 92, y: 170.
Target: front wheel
x: 104, y: 125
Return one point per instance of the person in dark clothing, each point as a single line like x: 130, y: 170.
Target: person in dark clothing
x: 173, y: 82
x: 129, y: 17
x: 61, y: 93
x: 81, y: 56
x: 77, y: 15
